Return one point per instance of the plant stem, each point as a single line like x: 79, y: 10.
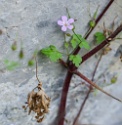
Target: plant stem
x: 64, y: 42
x: 88, y: 93
x: 69, y: 75
x: 61, y: 113
x: 73, y: 68
x: 63, y: 63
x: 37, y: 70
x: 94, y: 72
x: 82, y: 106
x: 87, y: 33
x: 100, y: 46
x: 96, y: 22
x: 76, y: 35
x: 94, y: 85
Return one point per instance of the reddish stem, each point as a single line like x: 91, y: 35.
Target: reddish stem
x: 72, y: 68
x: 96, y: 22
x: 94, y: 85
x: 61, y: 113
x: 100, y: 46
x: 88, y: 93
x: 101, y: 15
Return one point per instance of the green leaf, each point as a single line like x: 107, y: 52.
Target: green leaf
x: 11, y: 65
x: 75, y: 40
x: 84, y: 44
x: 76, y: 59
x: 52, y: 53
x: 78, y: 39
x: 100, y: 37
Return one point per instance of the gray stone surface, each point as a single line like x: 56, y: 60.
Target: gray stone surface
x: 33, y: 23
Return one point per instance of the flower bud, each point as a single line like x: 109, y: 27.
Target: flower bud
x: 21, y: 54
x: 31, y: 62
x: 92, y: 23
x: 68, y: 34
x: 113, y: 79
x: 14, y: 46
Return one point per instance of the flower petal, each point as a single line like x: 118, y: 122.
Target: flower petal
x: 71, y: 20
x: 60, y: 23
x: 64, y: 18
x: 64, y: 28
x: 70, y: 27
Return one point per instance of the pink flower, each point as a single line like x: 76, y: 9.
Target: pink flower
x: 65, y: 23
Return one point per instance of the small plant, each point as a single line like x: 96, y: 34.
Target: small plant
x: 74, y: 60
x: 37, y: 100
x: 77, y: 42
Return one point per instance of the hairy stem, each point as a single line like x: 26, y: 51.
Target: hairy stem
x: 94, y: 85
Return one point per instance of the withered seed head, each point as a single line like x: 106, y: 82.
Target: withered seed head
x: 38, y: 102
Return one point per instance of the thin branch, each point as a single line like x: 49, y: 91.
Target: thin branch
x: 94, y: 72
x: 94, y: 85
x: 37, y: 70
x: 101, y: 15
x: 82, y: 106
x: 88, y: 93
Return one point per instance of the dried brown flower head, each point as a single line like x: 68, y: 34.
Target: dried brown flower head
x: 38, y: 102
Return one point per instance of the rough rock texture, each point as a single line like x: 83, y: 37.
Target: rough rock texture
x: 33, y: 22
